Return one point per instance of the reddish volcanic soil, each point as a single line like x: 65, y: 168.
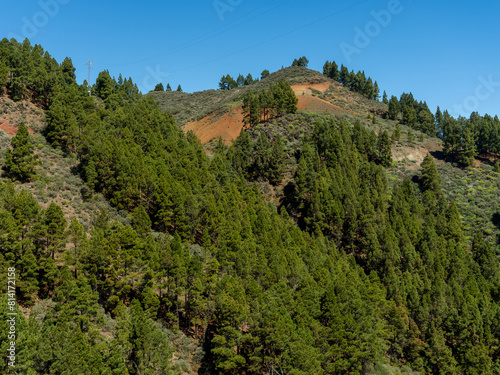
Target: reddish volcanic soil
x: 11, y: 130
x: 6, y: 126
x: 305, y: 88
x: 317, y: 105
x: 228, y: 126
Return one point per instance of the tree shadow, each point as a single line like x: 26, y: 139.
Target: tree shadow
x: 439, y: 155
x: 208, y: 361
x: 487, y: 158
x: 496, y: 220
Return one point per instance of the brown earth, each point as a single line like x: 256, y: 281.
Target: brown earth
x: 227, y: 126
x: 10, y: 129
x: 317, y: 105
x: 7, y: 127
x: 414, y: 154
x: 306, y: 88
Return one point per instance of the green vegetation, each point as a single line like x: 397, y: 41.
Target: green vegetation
x: 465, y: 138
x: 276, y: 101
x: 20, y: 162
x: 342, y: 274
x: 356, y: 82
x: 228, y: 83
x: 413, y: 113
x: 302, y: 61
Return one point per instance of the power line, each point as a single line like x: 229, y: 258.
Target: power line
x: 272, y: 39
x: 89, y: 64
x: 209, y: 35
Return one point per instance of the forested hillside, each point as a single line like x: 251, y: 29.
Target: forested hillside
x: 194, y: 270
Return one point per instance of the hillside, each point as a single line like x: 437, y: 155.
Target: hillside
x: 187, y: 107
x: 213, y: 113
x: 338, y: 236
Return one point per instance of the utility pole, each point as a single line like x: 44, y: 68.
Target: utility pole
x: 89, y: 64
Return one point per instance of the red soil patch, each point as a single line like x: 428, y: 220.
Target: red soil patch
x: 10, y: 129
x: 228, y: 126
x: 317, y: 105
x: 308, y: 102
x: 305, y: 88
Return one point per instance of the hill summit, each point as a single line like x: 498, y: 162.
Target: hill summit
x: 218, y: 113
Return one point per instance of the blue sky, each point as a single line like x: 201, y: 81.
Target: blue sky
x: 445, y: 53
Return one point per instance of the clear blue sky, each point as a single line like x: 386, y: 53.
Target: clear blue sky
x: 443, y: 52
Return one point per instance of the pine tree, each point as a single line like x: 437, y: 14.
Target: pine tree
x: 141, y: 221
x: 4, y: 72
x: 179, y: 88
x: 397, y: 133
x: 25, y: 210
x: 394, y: 108
x: 384, y: 98
x: 290, y: 98
x: 20, y: 162
x: 168, y: 87
x: 384, y: 149
x: 227, y: 83
x: 262, y: 155
x: 249, y: 80
x: 159, y: 87
x: 76, y: 235
x: 104, y: 85
x: 68, y: 71
x: 452, y: 135
x: 277, y: 161
x: 29, y: 269
x: 344, y: 78
x: 469, y: 150
x: 251, y: 109
x: 439, y: 122
x: 430, y: 177
x: 55, y: 225
x: 410, y: 136
x: 375, y: 92
x: 331, y: 70
x: 150, y: 349
x: 303, y: 61
x: 409, y: 115
x: 240, y: 81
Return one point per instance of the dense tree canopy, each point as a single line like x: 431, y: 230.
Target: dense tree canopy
x: 465, y: 138
x: 357, y: 82
x: 344, y: 274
